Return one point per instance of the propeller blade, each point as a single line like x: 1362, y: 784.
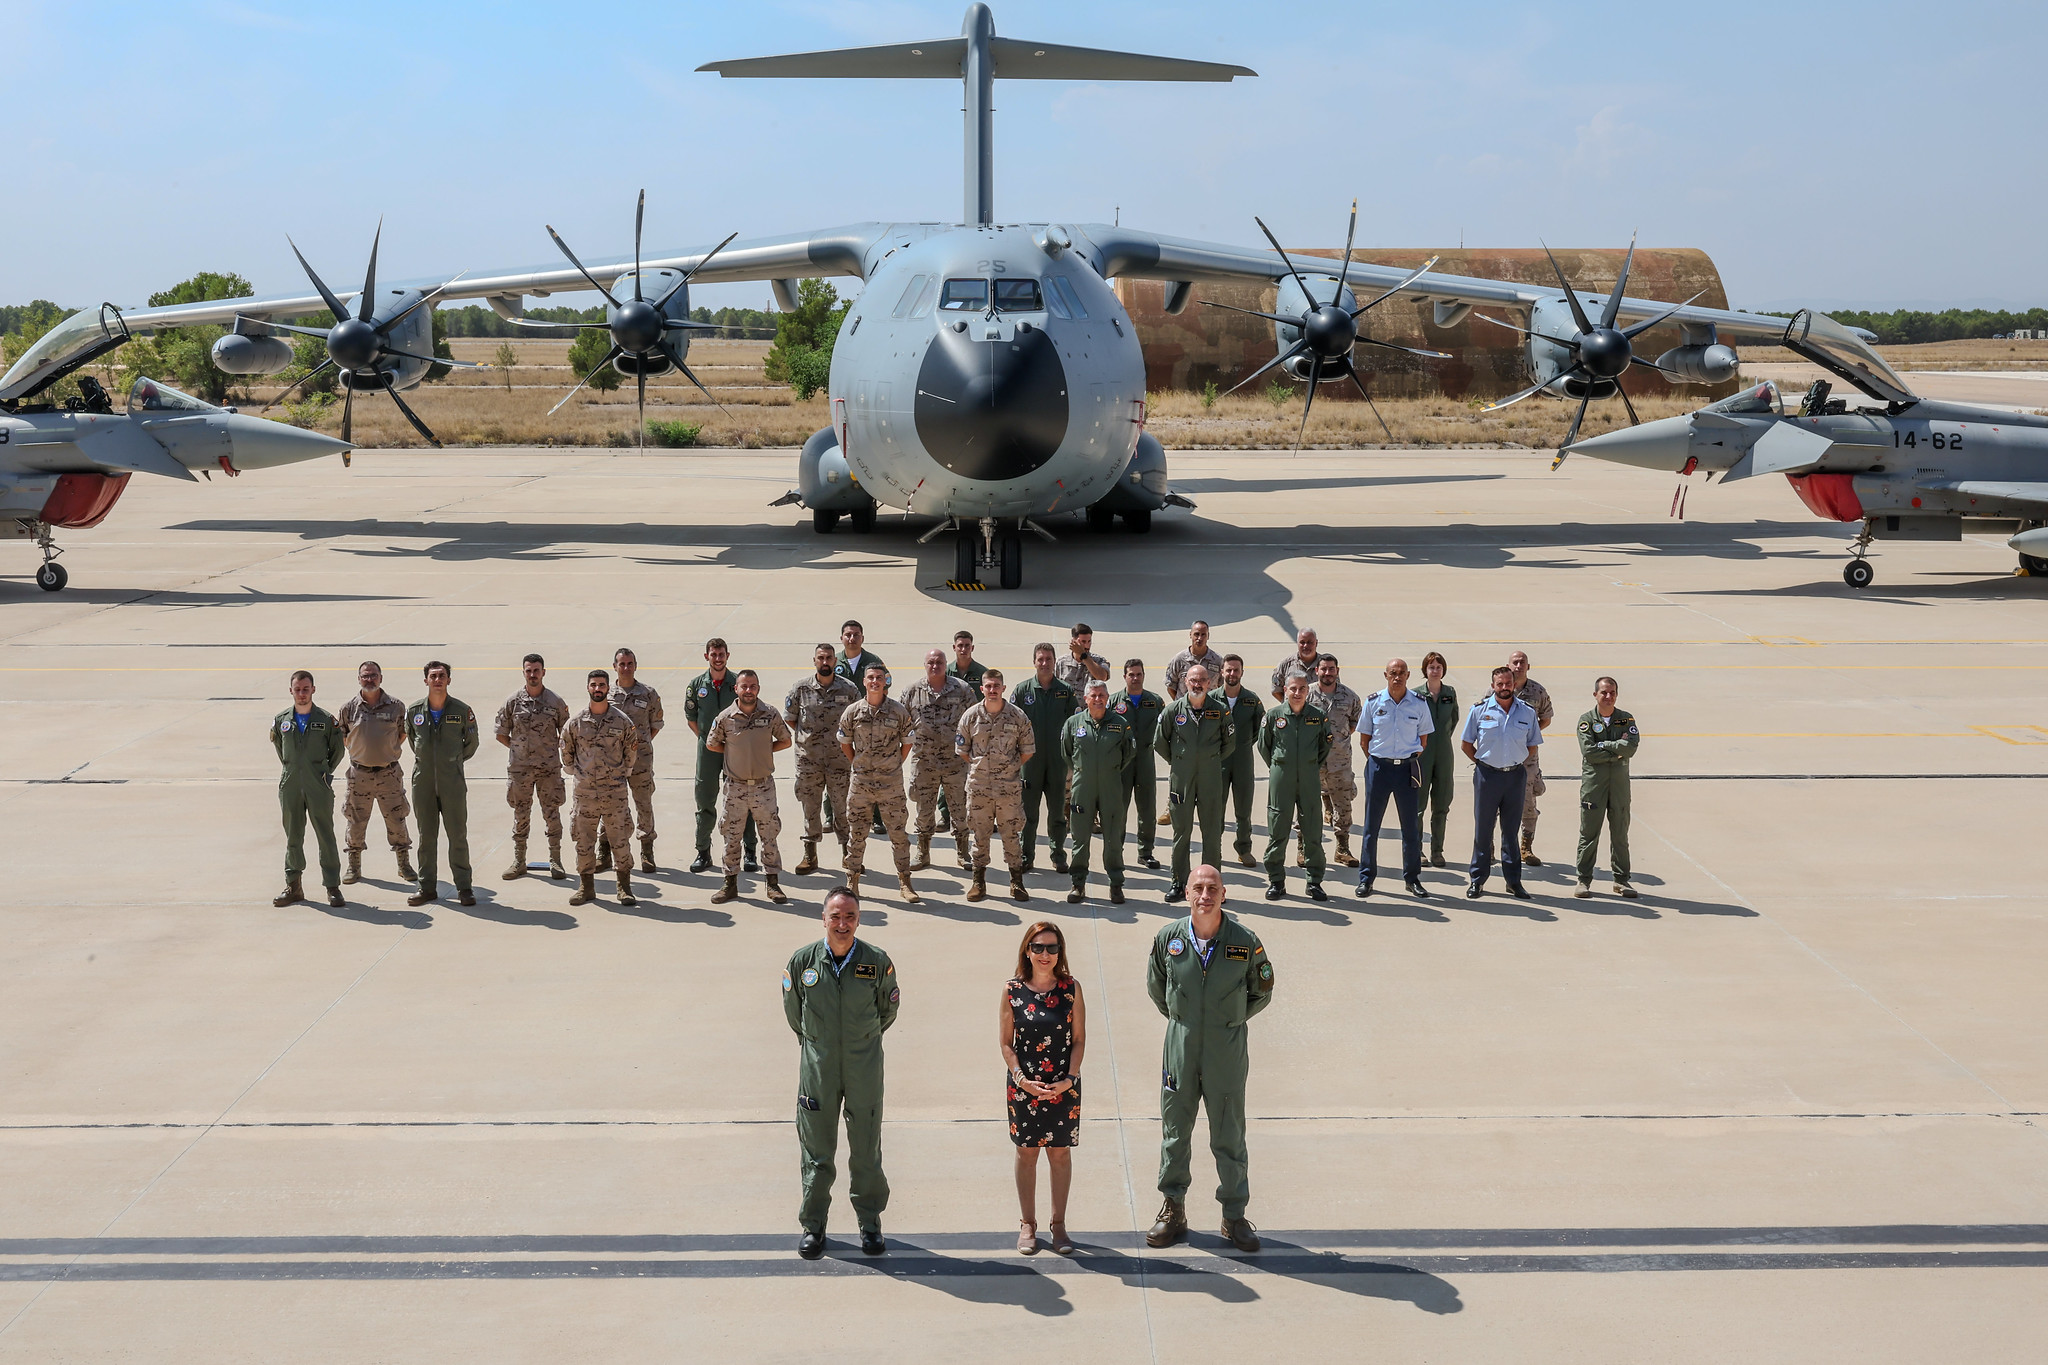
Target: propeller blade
x: 687, y: 374
x: 639, y: 218
x: 348, y: 413
x: 640, y: 381
x: 320, y: 332
x: 1253, y: 312
x: 1633, y: 420
x: 1515, y: 398
x: 613, y: 354
x: 1307, y: 407
x: 1366, y: 394
x: 1412, y: 278
x: 414, y: 418
x: 433, y: 359
x: 1637, y: 329
x: 1287, y: 354
x: 308, y: 375
x: 384, y: 327
x: 334, y: 305
x: 1404, y: 350
x: 1577, y: 417
x: 1555, y: 341
x: 691, y: 273
x: 1571, y: 297
x: 1344, y: 275
x: 368, y: 300
x: 529, y: 322
x: 1284, y: 260
x: 686, y: 325
x: 1620, y: 285
x: 580, y: 270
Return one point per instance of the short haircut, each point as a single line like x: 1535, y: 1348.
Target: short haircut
x: 1322, y: 659
x: 874, y: 668
x: 1234, y: 659
x: 301, y: 673
x: 1043, y: 647
x: 1502, y: 670
x: 624, y: 653
x: 829, y: 649
x: 1309, y: 631
x: 717, y: 642
x: 842, y: 891
x: 1203, y: 624
x: 746, y: 673
x: 1440, y: 660
x: 1603, y: 678
x: 533, y: 659
x: 1094, y: 683
x: 863, y: 630
x: 993, y: 675
x: 369, y: 663
x: 1130, y: 664
x: 433, y: 664
x: 1080, y: 628
x: 596, y: 673
x: 960, y: 635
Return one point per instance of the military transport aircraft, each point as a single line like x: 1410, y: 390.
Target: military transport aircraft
x: 1908, y: 469
x: 987, y: 375
x: 65, y: 467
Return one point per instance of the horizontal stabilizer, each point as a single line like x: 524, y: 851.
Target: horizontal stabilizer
x: 945, y: 59
x: 1787, y: 446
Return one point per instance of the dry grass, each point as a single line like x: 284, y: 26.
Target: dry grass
x: 1181, y: 422
x: 1983, y: 354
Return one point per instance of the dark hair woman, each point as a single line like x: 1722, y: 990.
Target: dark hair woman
x: 1042, y: 1030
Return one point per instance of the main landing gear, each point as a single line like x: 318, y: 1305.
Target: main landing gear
x: 1858, y: 573
x: 51, y: 576
x: 990, y: 547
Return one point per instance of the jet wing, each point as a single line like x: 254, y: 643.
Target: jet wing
x: 1997, y: 492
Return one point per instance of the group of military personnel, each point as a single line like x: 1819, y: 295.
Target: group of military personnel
x: 983, y: 760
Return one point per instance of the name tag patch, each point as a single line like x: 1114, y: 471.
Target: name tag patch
x: 1237, y: 953
x: 866, y: 969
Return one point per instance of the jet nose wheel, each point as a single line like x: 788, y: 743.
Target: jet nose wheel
x: 52, y: 578
x: 1857, y: 573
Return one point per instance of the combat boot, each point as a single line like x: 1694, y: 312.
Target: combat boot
x: 406, y: 871
x: 1017, y: 891
x: 586, y: 889
x: 729, y: 892
x: 1344, y: 858
x: 1078, y: 894
x: 924, y: 853
x: 647, y: 856
x: 1059, y: 861
x: 555, y: 868
x: 426, y: 895
x: 626, y: 886
x: 604, y: 855
x: 807, y: 864
x: 910, y: 895
x: 292, y: 894
x: 775, y: 890
x: 335, y: 898
x: 978, y: 890
x: 963, y: 851
x: 702, y: 862
x: 1529, y: 858
x: 355, y: 868
x: 1170, y: 1226
x: 1240, y: 1233
x: 518, y: 867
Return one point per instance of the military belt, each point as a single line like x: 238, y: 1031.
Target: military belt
x: 367, y: 768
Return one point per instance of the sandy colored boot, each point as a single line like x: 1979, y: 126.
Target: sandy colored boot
x: 586, y: 889
x: 909, y: 892
x: 1529, y: 858
x: 517, y: 868
x: 292, y: 894
x: 626, y: 896
x: 355, y: 868
x: 775, y: 893
x: 406, y: 870
x: 978, y: 890
x: 1344, y: 858
x: 807, y: 864
x: 729, y: 892
x: 604, y: 855
x: 1017, y: 891
x: 555, y: 868
x: 924, y: 853
x: 647, y: 856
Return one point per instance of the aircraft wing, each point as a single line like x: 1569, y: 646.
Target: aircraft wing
x: 1981, y: 488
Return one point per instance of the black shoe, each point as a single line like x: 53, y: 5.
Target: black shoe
x: 334, y: 897
x: 1116, y: 895
x: 1027, y: 865
x: 702, y: 862
x: 1473, y: 891
x: 1418, y: 890
x: 1316, y: 892
x: 1276, y: 892
x: 871, y: 1243
x: 1059, y: 860
x: 1176, y: 894
x: 1147, y: 860
x: 1518, y: 892
x: 1077, y: 895
x: 811, y: 1245
x: 1362, y: 890
x: 426, y: 895
x: 465, y: 896
x: 750, y: 863
x: 1245, y: 859
x: 1627, y: 892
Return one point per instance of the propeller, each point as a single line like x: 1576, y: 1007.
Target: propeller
x: 637, y: 325
x: 1329, y: 331
x: 360, y: 345
x: 1600, y: 352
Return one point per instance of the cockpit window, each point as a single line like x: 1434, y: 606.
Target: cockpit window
x: 910, y: 293
x: 1761, y: 398
x: 964, y: 296
x: 1065, y: 292
x: 83, y: 337
x: 1018, y: 296
x: 149, y: 396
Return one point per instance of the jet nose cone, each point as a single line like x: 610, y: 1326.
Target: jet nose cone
x: 1663, y: 444
x: 259, y: 443
x: 991, y: 410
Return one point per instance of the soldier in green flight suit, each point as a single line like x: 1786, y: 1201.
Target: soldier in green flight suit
x: 1608, y: 739
x: 840, y: 995
x: 1142, y: 710
x: 443, y: 734
x: 1208, y: 975
x: 1240, y: 777
x: 1196, y: 738
x: 1294, y: 739
x: 310, y: 746
x: 1098, y: 748
x: 1047, y: 703
x: 710, y: 692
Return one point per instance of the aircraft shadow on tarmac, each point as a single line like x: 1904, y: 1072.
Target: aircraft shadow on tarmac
x: 25, y: 590
x: 1192, y: 486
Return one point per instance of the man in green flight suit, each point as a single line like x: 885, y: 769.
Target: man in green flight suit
x: 1196, y: 738
x: 310, y: 746
x: 1608, y: 739
x: 1141, y: 709
x: 1294, y: 739
x: 710, y: 692
x: 1047, y: 703
x: 1240, y: 778
x: 1098, y: 748
x: 1209, y: 974
x: 443, y: 734
x: 840, y: 995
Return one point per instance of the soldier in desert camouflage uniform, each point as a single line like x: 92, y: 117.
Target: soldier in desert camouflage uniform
x: 642, y: 705
x: 1340, y: 780
x: 749, y: 733
x: 599, y: 749
x: 874, y: 734
x: 373, y: 727
x: 1537, y: 696
x: 936, y: 703
x: 996, y: 741
x: 530, y: 725
x: 812, y: 711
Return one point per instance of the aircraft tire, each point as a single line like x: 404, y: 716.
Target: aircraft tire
x: 2035, y: 566
x: 1138, y: 523
x: 863, y: 519
x: 1101, y: 519
x: 52, y: 578
x: 966, y: 551
x: 1857, y: 573
x: 823, y: 521
x: 1011, y: 550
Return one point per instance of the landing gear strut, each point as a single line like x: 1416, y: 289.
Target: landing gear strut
x: 51, y: 577
x: 1857, y: 573
x: 990, y: 547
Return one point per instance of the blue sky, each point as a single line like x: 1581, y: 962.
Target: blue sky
x: 1869, y: 155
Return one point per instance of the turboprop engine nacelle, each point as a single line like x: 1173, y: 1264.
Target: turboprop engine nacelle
x: 648, y: 346
x: 238, y: 354
x: 1714, y: 364
x: 1292, y: 301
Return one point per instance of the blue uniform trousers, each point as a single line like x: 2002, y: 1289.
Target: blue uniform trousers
x: 1399, y: 778
x: 1497, y: 796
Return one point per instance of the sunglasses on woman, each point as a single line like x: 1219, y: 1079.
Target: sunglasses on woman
x: 1043, y: 948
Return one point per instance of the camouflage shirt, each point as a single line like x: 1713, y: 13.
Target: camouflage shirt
x: 1177, y: 670
x: 1292, y: 664
x: 995, y: 746
x: 375, y: 735
x: 642, y: 705
x: 935, y: 715
x: 877, y: 734
x: 599, y: 751
x: 534, y: 725
x: 813, y: 709
x: 1074, y: 674
x: 1343, y: 707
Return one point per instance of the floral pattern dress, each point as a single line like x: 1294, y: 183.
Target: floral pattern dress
x: 1043, y: 1040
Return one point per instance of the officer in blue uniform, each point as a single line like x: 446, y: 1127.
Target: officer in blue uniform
x: 1393, y: 726
x: 1498, y: 735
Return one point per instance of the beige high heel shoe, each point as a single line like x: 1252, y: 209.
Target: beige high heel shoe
x: 1027, y: 1238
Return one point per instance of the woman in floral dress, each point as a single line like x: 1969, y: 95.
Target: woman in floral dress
x: 1042, y: 1030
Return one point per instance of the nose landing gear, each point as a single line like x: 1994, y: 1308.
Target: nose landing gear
x: 1858, y: 573
x: 51, y: 576
x: 990, y: 547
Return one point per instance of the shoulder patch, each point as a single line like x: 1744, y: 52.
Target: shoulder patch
x: 785, y: 981
x: 1266, y: 971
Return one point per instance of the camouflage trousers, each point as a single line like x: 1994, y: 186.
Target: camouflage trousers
x: 520, y: 789
x: 997, y: 808
x: 368, y: 787
x: 933, y: 779
x: 611, y: 807
x: 815, y: 779
x: 642, y: 787
x: 743, y: 799
x: 1533, y: 773
x: 1340, y: 798
x: 881, y: 792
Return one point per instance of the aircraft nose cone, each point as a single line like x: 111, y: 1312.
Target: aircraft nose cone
x: 259, y: 443
x: 991, y: 410
x: 1663, y: 444
x: 1605, y: 352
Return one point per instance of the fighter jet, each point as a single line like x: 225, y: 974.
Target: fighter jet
x: 65, y: 467
x: 987, y: 376
x: 1907, y: 468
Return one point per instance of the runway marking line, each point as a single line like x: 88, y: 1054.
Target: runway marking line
x: 2026, y: 734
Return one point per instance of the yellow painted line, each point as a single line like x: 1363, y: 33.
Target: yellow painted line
x: 1822, y: 734
x: 2024, y: 734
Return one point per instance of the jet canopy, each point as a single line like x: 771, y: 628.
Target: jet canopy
x: 78, y: 340
x: 148, y: 396
x: 1757, y: 398
x: 1841, y: 352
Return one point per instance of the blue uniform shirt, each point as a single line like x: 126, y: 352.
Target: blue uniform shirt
x: 1395, y: 729
x: 299, y: 720
x: 1502, y: 739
